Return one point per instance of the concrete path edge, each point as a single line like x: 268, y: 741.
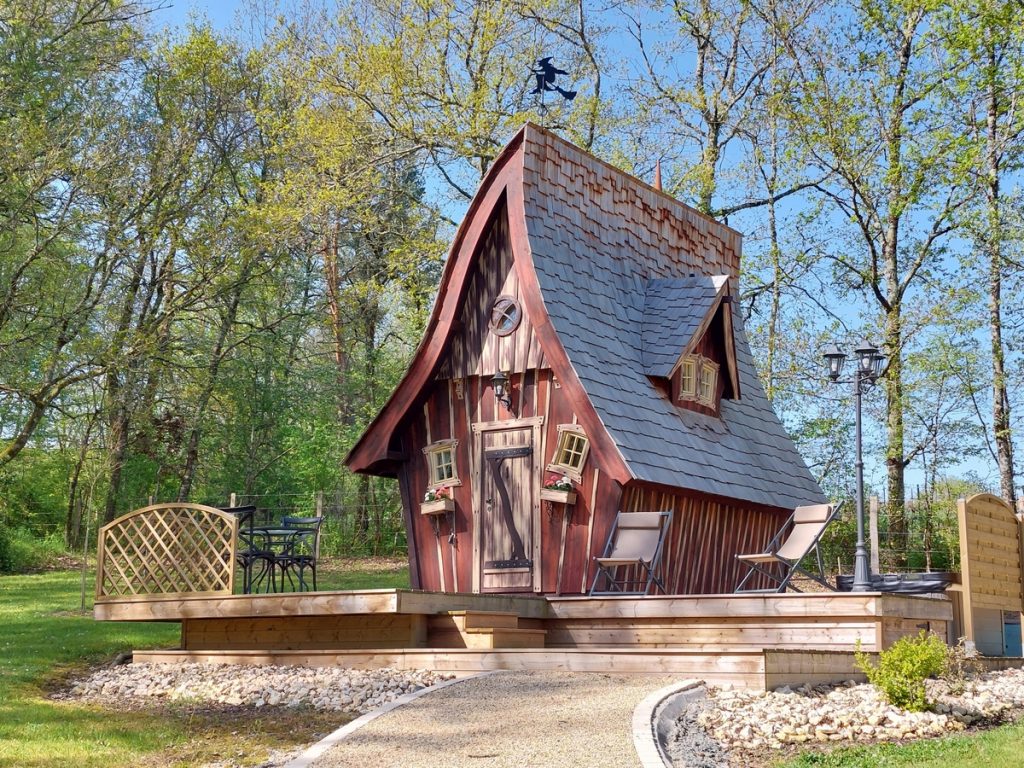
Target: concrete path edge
x: 652, y: 719
x: 305, y: 760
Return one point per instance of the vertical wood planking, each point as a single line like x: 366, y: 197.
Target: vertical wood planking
x: 474, y: 350
x: 704, y: 537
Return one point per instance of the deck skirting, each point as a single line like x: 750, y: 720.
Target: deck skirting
x: 735, y: 639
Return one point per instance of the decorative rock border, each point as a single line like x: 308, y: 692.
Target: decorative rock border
x: 653, y: 719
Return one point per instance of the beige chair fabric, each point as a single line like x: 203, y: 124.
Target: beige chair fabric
x: 636, y: 539
x: 805, y: 527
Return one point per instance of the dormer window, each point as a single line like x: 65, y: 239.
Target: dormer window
x: 688, y: 345
x: 698, y: 380
x: 688, y: 379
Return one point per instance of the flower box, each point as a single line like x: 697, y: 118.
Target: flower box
x: 562, y: 497
x: 437, y: 507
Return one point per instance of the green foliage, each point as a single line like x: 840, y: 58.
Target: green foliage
x: 6, y: 559
x: 22, y: 551
x: 218, y: 252
x: 903, y: 668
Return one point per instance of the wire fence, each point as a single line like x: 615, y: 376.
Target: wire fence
x: 919, y: 535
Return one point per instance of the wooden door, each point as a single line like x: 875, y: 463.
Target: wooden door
x: 507, y: 511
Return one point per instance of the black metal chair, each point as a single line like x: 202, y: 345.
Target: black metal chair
x: 256, y: 562
x: 300, y: 553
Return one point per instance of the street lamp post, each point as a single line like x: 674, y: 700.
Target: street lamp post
x: 869, y: 368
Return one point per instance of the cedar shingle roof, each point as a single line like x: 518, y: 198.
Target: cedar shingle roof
x: 614, y: 258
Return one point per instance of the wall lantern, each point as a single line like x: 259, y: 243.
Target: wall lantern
x: 502, y: 389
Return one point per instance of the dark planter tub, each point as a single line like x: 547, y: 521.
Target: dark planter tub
x: 904, y: 583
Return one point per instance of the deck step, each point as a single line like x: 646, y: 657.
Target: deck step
x: 481, y: 630
x: 487, y: 637
x: 476, y: 620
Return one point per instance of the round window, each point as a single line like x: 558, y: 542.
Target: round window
x: 505, y: 315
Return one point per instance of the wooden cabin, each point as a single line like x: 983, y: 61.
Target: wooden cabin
x: 609, y: 309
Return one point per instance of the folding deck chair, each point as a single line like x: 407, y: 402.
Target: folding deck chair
x: 635, y: 545
x: 780, y: 561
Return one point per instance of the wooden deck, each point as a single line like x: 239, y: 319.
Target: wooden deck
x: 746, y: 640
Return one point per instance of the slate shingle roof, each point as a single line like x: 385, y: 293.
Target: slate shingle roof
x: 628, y: 251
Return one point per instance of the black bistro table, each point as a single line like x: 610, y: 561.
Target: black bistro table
x: 276, y: 555
x: 283, y: 555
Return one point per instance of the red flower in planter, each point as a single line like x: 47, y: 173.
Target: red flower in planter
x: 437, y: 494
x: 556, y: 483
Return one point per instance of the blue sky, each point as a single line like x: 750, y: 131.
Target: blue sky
x: 175, y: 13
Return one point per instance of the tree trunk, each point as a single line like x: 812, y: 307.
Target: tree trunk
x: 120, y: 418
x: 894, y: 451
x: 73, y: 524
x: 994, y: 232
x: 188, y: 472
x: 775, y: 255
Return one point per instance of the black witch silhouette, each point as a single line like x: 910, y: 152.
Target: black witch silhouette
x: 545, y: 74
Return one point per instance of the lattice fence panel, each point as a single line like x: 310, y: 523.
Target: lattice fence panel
x: 167, y: 549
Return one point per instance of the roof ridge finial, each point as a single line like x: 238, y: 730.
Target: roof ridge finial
x: 657, y: 174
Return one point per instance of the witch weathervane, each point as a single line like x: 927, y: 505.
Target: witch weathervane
x: 545, y: 73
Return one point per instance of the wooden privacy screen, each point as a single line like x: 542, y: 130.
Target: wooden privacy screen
x: 167, y: 549
x: 990, y: 565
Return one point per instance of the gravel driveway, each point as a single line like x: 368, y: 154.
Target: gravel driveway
x: 509, y: 719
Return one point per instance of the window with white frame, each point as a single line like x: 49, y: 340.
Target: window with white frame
x: 570, y: 451
x: 708, y: 383
x: 441, y: 465
x: 688, y: 378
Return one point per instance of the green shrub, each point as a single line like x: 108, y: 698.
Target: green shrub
x: 22, y: 552
x: 6, y: 565
x: 903, y: 668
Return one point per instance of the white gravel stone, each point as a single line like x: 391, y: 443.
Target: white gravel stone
x: 748, y: 720
x: 328, y: 688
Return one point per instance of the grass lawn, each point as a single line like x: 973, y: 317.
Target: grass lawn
x: 997, y: 748
x: 45, y: 636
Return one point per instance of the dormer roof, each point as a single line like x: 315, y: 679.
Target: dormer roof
x: 678, y: 312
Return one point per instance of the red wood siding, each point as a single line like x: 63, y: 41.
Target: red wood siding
x: 704, y: 537
x: 565, y: 542
x: 461, y: 396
